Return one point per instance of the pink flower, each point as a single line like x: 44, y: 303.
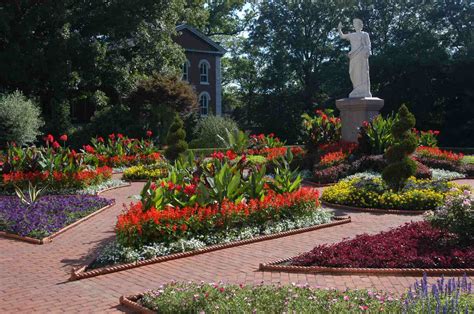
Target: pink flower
x: 49, y: 138
x: 346, y: 298
x: 149, y: 133
x: 112, y: 136
x: 56, y: 145
x: 119, y: 135
x: 363, y: 307
x: 63, y: 137
x: 100, y: 139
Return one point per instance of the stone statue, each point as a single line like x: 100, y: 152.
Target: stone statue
x: 359, y: 59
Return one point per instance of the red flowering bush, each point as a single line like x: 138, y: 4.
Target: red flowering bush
x: 54, y: 165
x: 264, y: 141
x: 119, y: 150
x: 439, y: 154
x: 170, y: 223
x: 58, y: 179
x: 331, y: 159
x: 320, y: 129
x: 427, y: 138
x: 413, y: 245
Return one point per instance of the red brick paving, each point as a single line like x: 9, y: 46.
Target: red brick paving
x: 33, y: 278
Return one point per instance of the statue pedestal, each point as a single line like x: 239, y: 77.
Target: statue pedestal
x: 354, y: 111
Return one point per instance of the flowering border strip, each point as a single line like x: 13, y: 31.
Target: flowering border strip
x: 275, y: 266
x: 317, y: 185
x: 374, y: 210
x: 130, y: 302
x: 49, y: 238
x: 81, y: 273
x: 126, y: 185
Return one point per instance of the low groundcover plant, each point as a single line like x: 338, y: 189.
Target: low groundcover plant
x: 413, y: 245
x: 372, y: 192
x: 446, y: 296
x: 47, y: 215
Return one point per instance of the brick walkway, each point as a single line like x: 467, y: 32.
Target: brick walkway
x: 33, y: 278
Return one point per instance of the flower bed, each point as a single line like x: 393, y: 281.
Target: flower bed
x: 373, y: 193
x: 437, y: 153
x: 121, y: 151
x: 146, y: 172
x: 139, y: 227
x: 53, y: 165
x: 450, y: 296
x: 413, y: 245
x: 47, y: 215
x: 58, y: 180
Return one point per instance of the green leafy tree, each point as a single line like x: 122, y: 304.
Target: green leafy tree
x: 60, y: 51
x: 20, y: 119
x: 400, y: 167
x: 176, y: 139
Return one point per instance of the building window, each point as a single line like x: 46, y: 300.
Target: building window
x: 204, y: 103
x: 204, y: 71
x: 185, y: 76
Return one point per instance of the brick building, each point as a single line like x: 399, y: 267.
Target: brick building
x: 202, y: 68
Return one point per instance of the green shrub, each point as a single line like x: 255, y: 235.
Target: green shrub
x: 208, y: 130
x: 457, y: 216
x: 376, y: 136
x: 20, y: 119
x: 176, y: 139
x: 400, y: 167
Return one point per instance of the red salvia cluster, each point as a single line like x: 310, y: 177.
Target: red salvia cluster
x: 437, y: 153
x: 154, y: 224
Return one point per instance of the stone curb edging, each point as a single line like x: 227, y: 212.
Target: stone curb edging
x: 49, y: 238
x: 466, y: 178
x: 81, y: 273
x: 373, y: 210
x: 130, y: 302
x: 274, y: 266
x: 317, y: 185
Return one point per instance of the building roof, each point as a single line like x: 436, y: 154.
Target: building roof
x: 200, y: 35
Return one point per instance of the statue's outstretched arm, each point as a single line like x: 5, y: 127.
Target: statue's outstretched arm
x: 339, y: 29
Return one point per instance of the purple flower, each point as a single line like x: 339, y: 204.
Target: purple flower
x: 47, y: 215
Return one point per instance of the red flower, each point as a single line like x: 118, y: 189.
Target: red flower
x: 100, y: 139
x: 153, y: 186
x: 183, y: 227
x: 49, y: 138
x: 119, y: 135
x: 56, y: 145
x: 365, y: 124
x: 436, y: 133
x: 112, y: 136
x: 230, y: 154
x: 190, y: 189
x: 149, y: 133
x: 89, y: 149
x: 218, y: 155
x: 63, y: 137
x: 271, y: 135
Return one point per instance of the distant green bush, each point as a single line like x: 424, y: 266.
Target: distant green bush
x: 208, y: 130
x: 176, y: 139
x: 20, y: 119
